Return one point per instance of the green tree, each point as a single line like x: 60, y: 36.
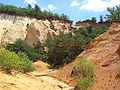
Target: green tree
x: 64, y: 17
x: 114, y: 14
x: 93, y: 19
x: 29, y: 6
x: 21, y: 46
x: 101, y: 18
x: 31, y: 12
x: 37, y: 8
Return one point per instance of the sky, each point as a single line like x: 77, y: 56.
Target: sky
x: 76, y: 10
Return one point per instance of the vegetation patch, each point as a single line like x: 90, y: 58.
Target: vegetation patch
x: 113, y: 14
x: 34, y: 53
x: 84, y: 73
x: 35, y: 12
x: 58, y: 50
x: 11, y: 61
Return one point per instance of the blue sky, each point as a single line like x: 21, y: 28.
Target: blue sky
x: 75, y: 9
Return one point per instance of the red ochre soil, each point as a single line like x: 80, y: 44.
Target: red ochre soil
x: 104, y: 53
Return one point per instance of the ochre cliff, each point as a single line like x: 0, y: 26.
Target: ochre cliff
x: 104, y: 53
x: 30, y: 29
x: 39, y: 30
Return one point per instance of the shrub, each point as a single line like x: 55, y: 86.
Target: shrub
x: 61, y: 49
x: 34, y: 53
x: 84, y: 83
x: 35, y: 12
x: 96, y: 31
x: 27, y: 64
x: 113, y: 14
x: 21, y: 46
x: 10, y: 61
x: 40, y: 52
x: 84, y: 73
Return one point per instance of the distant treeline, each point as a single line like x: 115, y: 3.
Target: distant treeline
x: 35, y: 12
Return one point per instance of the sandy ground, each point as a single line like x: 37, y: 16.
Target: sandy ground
x: 34, y: 81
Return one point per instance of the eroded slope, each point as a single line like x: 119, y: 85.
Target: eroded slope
x: 104, y: 53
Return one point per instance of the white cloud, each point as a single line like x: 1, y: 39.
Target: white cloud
x: 31, y: 2
x: 98, y: 5
x: 51, y: 7
x: 74, y: 3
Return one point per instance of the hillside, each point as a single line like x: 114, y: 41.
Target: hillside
x: 104, y: 53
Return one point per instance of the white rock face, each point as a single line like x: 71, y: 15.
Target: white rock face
x: 13, y: 28
x: 61, y: 27
x: 37, y: 31
x: 30, y: 29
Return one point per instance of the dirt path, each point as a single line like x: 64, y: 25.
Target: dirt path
x: 45, y: 76
x: 34, y: 81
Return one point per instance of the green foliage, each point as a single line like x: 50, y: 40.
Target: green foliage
x: 21, y: 46
x: 27, y: 64
x: 10, y: 61
x: 84, y: 73
x: 83, y: 68
x: 96, y: 31
x: 34, y: 53
x: 64, y: 48
x: 114, y: 14
x: 64, y: 17
x: 101, y: 19
x: 31, y: 12
x: 84, y: 83
x: 90, y: 33
x: 39, y: 50
x: 61, y: 49
x: 93, y: 19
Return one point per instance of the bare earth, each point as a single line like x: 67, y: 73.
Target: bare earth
x: 34, y: 81
x: 104, y: 53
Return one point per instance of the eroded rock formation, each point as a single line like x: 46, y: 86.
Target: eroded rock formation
x: 104, y: 53
x: 30, y: 29
x: 105, y: 56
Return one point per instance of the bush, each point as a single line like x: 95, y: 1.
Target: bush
x: 84, y: 83
x: 113, y: 14
x: 35, y: 12
x: 40, y: 52
x: 84, y: 73
x: 27, y: 64
x: 21, y: 46
x: 34, y: 53
x: 61, y: 49
x: 10, y: 61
